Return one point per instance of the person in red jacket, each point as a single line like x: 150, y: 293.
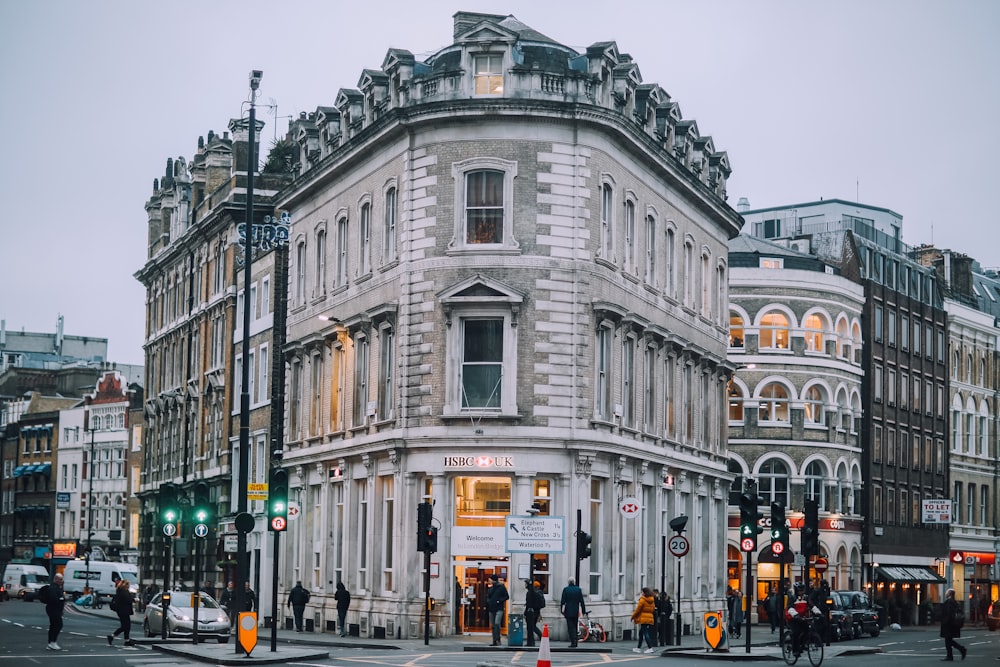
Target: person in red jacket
x: 643, y: 616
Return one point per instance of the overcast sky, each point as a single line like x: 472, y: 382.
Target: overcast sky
x: 890, y: 103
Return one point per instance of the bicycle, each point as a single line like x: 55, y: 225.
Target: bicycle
x: 588, y: 629
x: 791, y: 644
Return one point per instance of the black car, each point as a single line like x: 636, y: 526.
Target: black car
x: 841, y: 619
x: 864, y: 617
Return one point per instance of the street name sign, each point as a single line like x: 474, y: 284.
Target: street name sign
x: 535, y: 534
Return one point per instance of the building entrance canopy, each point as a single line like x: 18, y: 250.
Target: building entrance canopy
x: 909, y: 574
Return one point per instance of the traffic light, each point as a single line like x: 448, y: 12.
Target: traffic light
x: 169, y: 510
x: 779, y: 532
x: 426, y: 533
x: 202, y: 503
x: 277, y: 500
x: 750, y: 518
x: 583, y: 549
x: 427, y: 540
x: 810, y: 529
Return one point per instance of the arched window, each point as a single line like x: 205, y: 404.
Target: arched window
x: 815, y: 474
x: 815, y: 414
x: 735, y: 330
x: 984, y: 441
x: 773, y: 404
x: 843, y: 492
x: 955, y: 365
x: 968, y: 369
x: 735, y: 403
x: 774, y: 332
x: 843, y: 339
x: 814, y: 327
x: 772, y: 481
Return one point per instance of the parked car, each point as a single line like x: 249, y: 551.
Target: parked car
x: 841, y: 619
x: 213, y: 622
x: 864, y: 617
x: 993, y: 616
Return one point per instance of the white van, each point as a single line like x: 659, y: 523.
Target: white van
x: 24, y: 581
x: 104, y: 576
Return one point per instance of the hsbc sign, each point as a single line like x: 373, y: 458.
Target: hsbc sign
x: 480, y: 461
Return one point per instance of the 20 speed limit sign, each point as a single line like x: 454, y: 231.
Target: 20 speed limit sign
x: 678, y: 545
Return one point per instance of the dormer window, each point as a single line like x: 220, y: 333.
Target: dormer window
x: 488, y: 74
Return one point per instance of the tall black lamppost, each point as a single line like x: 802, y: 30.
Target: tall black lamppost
x: 242, y: 557
x: 90, y: 501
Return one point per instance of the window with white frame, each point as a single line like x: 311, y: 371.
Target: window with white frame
x: 671, y: 262
x: 815, y: 477
x: 339, y: 381
x: 488, y: 73
x: 606, y: 250
x: 706, y: 284
x: 596, y: 561
x: 361, y: 489
x: 669, y: 395
x: 294, y: 399
x: 773, y: 406
x: 602, y: 393
x: 813, y: 405
x: 774, y: 331
x: 389, y: 226
x: 481, y: 348
x: 365, y: 239
x: 814, y: 326
x: 316, y: 380
x: 342, y: 252
x: 735, y: 396
x: 300, y: 273
x: 386, y: 373
x: 265, y: 296
x: 984, y: 505
x: 629, y: 260
x: 362, y: 359
x: 690, y: 278
x: 650, y: 250
x: 628, y: 381
x: 484, y: 197
x: 388, y: 528
x: 772, y: 481
x: 320, y: 262
x: 649, y: 391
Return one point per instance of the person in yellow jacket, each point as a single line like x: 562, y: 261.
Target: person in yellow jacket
x: 643, y: 616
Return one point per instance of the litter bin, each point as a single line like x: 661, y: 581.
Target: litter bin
x: 515, y: 630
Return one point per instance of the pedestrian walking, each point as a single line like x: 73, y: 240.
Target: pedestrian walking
x: 533, y: 603
x: 297, y: 599
x: 643, y: 616
x: 208, y: 589
x: 249, y: 597
x: 54, y: 598
x: 736, y: 619
x: 771, y: 606
x: 228, y: 601
x: 952, y: 620
x: 122, y: 603
x: 571, y: 604
x: 496, y: 605
x: 343, y: 598
x: 667, y: 607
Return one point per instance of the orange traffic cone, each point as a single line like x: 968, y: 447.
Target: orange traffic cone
x: 544, y: 657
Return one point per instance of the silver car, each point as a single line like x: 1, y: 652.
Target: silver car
x: 213, y: 622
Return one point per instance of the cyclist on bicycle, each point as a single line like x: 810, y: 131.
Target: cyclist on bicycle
x: 797, y: 617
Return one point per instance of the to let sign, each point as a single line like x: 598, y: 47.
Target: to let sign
x: 936, y: 511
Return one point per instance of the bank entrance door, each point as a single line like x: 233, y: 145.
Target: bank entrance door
x: 475, y: 578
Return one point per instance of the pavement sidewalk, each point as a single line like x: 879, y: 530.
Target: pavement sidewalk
x: 294, y: 646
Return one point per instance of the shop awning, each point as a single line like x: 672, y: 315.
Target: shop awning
x: 908, y: 574
x: 19, y: 470
x: 43, y: 468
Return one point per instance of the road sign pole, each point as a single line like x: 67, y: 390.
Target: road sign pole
x: 275, y: 604
x: 197, y: 587
x: 748, y: 596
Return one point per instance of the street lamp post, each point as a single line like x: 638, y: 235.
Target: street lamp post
x: 90, y: 506
x: 242, y: 557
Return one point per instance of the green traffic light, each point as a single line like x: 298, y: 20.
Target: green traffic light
x: 169, y: 515
x: 201, y: 515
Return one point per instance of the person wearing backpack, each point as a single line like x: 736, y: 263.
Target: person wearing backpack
x: 952, y: 619
x: 297, y: 599
x: 533, y: 603
x: 122, y: 603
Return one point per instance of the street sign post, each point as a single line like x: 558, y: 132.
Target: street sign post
x: 678, y: 545
x: 535, y: 534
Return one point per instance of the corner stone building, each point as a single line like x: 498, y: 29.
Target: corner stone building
x: 507, y: 295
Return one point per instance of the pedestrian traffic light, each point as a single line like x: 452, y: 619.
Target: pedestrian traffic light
x: 202, y: 503
x: 583, y: 549
x: 810, y: 528
x: 779, y: 532
x: 277, y: 500
x: 427, y: 540
x: 168, y: 505
x: 750, y: 517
